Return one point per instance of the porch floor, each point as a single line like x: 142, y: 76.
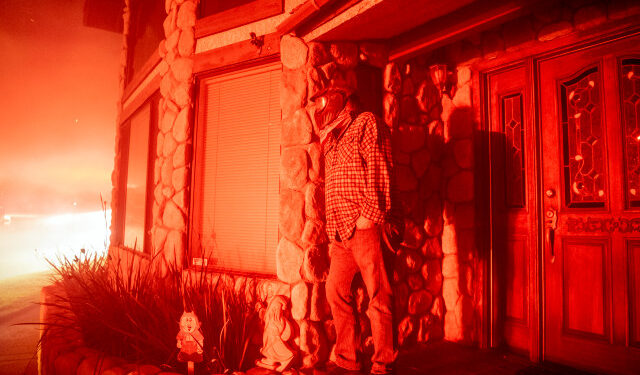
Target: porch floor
x: 455, y: 359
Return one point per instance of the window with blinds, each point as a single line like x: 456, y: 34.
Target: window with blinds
x: 236, y: 179
x: 140, y: 131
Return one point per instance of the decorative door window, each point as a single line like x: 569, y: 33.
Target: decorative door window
x: 630, y: 89
x: 583, y: 143
x: 514, y: 150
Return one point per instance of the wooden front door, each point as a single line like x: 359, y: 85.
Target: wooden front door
x: 589, y: 110
x: 513, y: 206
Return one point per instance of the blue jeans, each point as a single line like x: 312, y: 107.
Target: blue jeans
x: 361, y: 253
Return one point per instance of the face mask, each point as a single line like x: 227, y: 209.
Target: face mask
x: 326, y: 108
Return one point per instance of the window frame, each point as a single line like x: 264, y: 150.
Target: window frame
x: 124, y: 145
x: 134, y: 77
x: 201, y: 263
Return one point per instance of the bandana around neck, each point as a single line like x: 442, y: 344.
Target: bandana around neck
x: 338, y: 126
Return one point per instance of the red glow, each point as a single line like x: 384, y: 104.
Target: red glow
x: 59, y: 95
x: 59, y: 84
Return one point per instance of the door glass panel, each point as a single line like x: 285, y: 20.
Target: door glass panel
x: 630, y: 84
x: 583, y: 140
x: 514, y: 153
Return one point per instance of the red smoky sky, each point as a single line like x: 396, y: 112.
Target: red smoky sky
x: 58, y: 94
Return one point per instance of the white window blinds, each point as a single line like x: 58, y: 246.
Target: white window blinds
x: 235, y: 218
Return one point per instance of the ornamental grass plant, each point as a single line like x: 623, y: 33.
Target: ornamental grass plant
x: 132, y: 311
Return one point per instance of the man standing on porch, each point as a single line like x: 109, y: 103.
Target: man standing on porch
x: 358, y: 166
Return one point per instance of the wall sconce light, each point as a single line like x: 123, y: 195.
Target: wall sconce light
x: 440, y: 77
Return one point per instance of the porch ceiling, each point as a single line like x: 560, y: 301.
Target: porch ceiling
x: 382, y: 19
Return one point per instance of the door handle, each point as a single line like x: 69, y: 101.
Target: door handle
x: 550, y: 225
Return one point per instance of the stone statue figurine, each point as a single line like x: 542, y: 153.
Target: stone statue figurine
x: 277, y: 332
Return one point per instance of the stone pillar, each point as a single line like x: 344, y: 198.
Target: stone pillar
x: 302, y: 258
x: 458, y: 236
x: 302, y: 254
x: 413, y: 112
x: 173, y: 145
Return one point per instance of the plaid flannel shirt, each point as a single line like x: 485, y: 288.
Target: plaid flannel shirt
x: 358, y: 165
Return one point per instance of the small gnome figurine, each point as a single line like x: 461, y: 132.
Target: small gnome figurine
x: 277, y: 331
x: 190, y: 340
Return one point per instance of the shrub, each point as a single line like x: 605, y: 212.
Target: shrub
x: 132, y: 312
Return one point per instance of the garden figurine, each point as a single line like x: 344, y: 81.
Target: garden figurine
x: 190, y: 340
x: 277, y: 331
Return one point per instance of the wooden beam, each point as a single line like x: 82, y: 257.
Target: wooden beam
x: 575, y: 40
x: 141, y: 98
x: 237, y: 16
x: 454, y: 26
x: 236, y: 53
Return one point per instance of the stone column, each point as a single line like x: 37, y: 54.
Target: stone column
x: 301, y: 258
x: 173, y: 145
x: 458, y: 236
x: 413, y: 112
x: 302, y: 254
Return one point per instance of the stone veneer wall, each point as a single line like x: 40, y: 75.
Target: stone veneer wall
x: 431, y: 178
x: 462, y: 287
x: 173, y: 144
x: 173, y: 147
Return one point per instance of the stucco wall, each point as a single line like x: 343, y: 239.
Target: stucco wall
x: 240, y: 33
